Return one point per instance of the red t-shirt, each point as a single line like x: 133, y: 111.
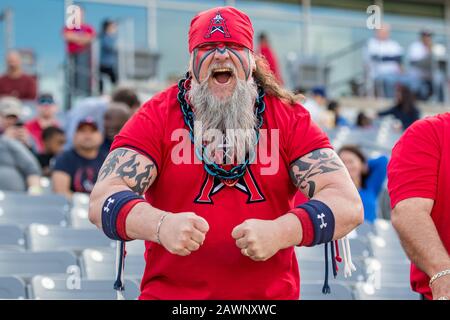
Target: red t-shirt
x: 72, y: 47
x: 420, y: 167
x: 23, y: 88
x: 218, y: 270
x: 35, y: 130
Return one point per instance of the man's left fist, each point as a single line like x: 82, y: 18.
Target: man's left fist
x: 258, y: 239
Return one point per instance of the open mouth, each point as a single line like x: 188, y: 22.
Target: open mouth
x: 222, y: 75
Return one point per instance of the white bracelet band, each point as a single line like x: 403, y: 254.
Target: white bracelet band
x: 438, y: 275
x: 159, y: 227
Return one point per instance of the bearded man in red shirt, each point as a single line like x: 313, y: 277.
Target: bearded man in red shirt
x: 218, y: 221
x: 419, y: 186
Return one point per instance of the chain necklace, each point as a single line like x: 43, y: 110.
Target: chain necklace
x: 211, y: 167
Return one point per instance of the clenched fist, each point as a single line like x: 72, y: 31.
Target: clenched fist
x: 257, y: 239
x: 183, y: 233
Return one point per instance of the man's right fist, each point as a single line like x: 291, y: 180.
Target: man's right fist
x: 182, y: 233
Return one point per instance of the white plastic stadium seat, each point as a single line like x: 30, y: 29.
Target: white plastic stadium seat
x: 56, y: 288
x: 43, y: 237
x: 29, y: 264
x: 366, y: 291
x: 24, y: 199
x: 11, y: 237
x: 314, y: 270
x: 100, y: 264
x: 79, y: 218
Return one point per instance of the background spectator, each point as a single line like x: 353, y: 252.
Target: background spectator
x: 15, y: 82
x: 267, y: 52
x: 384, y: 58
x: 363, y: 120
x: 405, y: 108
x: 335, y: 109
x: 368, y: 177
x: 127, y: 96
x: 108, y: 53
x: 78, y: 46
x: 46, y: 117
x: 13, y: 127
x: 317, y: 106
x: 420, y: 56
x: 19, y: 170
x: 115, y: 117
x: 53, y: 139
x: 95, y: 107
x: 76, y: 170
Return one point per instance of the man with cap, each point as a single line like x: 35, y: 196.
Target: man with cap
x: 76, y: 170
x: 46, y: 111
x: 218, y: 219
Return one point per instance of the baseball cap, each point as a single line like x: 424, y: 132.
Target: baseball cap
x: 45, y: 99
x: 87, y: 121
x: 426, y: 32
x: 10, y: 106
x: 319, y: 91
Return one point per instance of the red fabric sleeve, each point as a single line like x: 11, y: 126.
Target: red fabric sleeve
x: 144, y: 132
x: 304, y: 135
x: 122, y: 218
x: 307, y: 226
x: 414, y: 166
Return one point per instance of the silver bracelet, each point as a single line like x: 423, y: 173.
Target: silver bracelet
x: 159, y: 227
x: 438, y: 275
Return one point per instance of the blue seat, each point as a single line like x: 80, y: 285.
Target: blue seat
x: 12, y: 288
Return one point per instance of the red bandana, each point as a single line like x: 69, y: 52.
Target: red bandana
x: 222, y: 24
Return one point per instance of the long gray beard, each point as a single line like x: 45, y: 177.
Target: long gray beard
x: 221, y: 115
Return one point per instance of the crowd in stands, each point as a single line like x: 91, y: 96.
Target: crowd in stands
x: 419, y: 67
x: 69, y: 148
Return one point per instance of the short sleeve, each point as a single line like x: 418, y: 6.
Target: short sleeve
x: 304, y: 135
x: 413, y: 169
x: 64, y: 163
x: 144, y: 132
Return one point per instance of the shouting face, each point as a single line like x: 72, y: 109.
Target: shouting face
x: 222, y: 64
x: 223, y: 94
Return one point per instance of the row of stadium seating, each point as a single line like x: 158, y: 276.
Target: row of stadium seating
x: 42, y: 238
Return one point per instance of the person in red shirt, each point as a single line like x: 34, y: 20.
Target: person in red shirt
x: 419, y: 186
x: 78, y: 46
x: 14, y: 82
x: 46, y: 110
x: 268, y: 53
x: 216, y: 223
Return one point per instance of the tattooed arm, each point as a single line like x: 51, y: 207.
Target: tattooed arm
x: 125, y: 169
x: 321, y: 175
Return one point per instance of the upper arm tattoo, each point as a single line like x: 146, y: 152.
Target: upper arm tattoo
x: 124, y: 163
x: 318, y: 162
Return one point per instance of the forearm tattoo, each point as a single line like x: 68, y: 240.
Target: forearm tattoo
x: 137, y: 177
x: 315, y: 163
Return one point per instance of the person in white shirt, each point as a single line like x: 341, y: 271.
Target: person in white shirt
x: 384, y: 62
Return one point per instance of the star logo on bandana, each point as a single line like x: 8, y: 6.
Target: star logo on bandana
x: 217, y: 23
